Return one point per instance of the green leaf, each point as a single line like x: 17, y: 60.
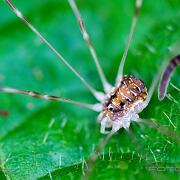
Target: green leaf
x: 48, y: 140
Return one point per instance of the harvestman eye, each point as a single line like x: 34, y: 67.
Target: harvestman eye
x: 129, y: 103
x: 110, y: 108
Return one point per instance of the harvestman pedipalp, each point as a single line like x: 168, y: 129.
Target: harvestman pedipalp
x: 119, y: 105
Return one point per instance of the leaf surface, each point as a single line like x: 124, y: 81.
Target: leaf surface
x: 50, y: 140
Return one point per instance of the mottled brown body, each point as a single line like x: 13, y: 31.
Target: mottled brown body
x: 127, y: 94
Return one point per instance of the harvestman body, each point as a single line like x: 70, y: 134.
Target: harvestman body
x: 123, y: 104
x: 119, y: 105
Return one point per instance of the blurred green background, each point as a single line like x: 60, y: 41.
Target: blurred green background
x: 50, y: 140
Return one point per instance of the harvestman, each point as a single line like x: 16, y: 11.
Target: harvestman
x: 118, y: 105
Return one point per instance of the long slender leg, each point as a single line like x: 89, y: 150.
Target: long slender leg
x: 106, y: 85
x: 95, y: 107
x: 140, y: 149
x: 136, y: 143
x: 152, y: 87
x: 166, y: 77
x: 133, y: 25
x: 98, y: 95
x: 93, y: 157
x: 166, y: 131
